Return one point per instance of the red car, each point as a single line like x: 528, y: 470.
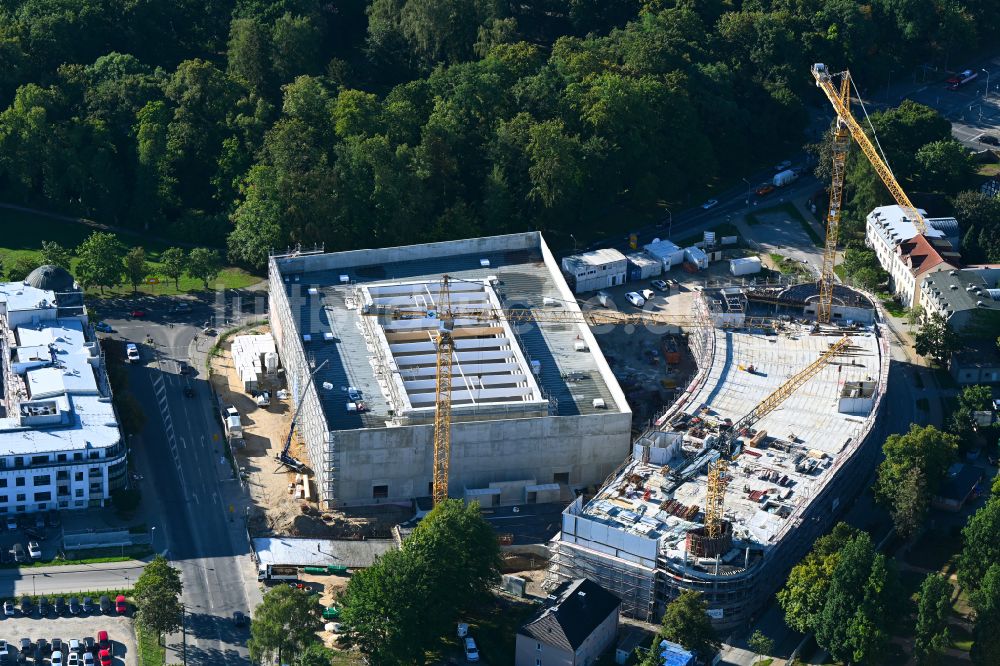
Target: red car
x: 104, y: 657
x: 138, y: 314
x: 102, y: 640
x: 120, y: 606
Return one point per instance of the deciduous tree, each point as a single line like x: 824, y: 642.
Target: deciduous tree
x: 914, y: 465
x: 101, y: 260
x: 933, y: 612
x: 981, y: 546
x: 55, y: 254
x: 686, y: 623
x: 158, y: 597
x: 136, y: 267
x: 760, y: 643
x: 936, y: 339
x: 804, y: 594
x: 283, y: 625
x: 204, y: 264
x: 172, y: 262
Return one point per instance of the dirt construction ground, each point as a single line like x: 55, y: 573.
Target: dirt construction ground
x: 273, y: 487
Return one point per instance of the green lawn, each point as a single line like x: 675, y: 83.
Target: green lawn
x: 894, y: 308
x: 23, y: 234
x: 151, y: 653
x: 494, y: 627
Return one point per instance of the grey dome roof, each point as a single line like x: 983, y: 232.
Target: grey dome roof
x: 52, y: 278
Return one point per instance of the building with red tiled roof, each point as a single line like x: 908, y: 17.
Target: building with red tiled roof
x: 915, y: 258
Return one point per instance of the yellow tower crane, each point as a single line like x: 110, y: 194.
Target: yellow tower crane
x: 715, y: 491
x: 847, y: 125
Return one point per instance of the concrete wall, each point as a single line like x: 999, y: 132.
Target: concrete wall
x: 588, y: 448
x: 526, y: 653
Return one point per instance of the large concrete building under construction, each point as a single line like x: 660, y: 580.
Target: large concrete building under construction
x: 536, y: 411
x: 784, y: 478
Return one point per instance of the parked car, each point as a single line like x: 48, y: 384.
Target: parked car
x: 11, y: 523
x: 88, y: 659
x: 263, y: 399
x: 138, y: 314
x: 181, y: 307
x: 711, y: 203
x: 120, y: 606
x: 89, y: 644
x: 989, y: 140
x: 8, y: 609
x: 26, y: 605
x: 660, y: 285
x: 20, y: 554
x: 103, y: 327
x: 57, y: 658
x: 57, y: 644
x: 765, y: 189
x: 4, y: 650
x: 43, y: 647
x: 102, y: 640
x: 105, y: 605
x: 471, y: 651
x: 132, y: 352
x: 43, y: 606
x: 647, y: 294
x: 51, y: 605
x: 73, y: 659
x: 88, y: 605
x: 60, y: 605
x: 34, y: 550
x: 781, y: 166
x: 25, y: 645
x: 635, y: 299
x: 239, y: 619
x: 74, y: 606
x: 104, y: 657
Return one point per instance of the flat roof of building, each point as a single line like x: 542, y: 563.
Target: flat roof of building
x: 301, y: 552
x: 807, y: 438
x: 18, y: 296
x: 599, y: 257
x: 327, y: 293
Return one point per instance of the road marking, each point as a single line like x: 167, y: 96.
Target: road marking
x: 194, y: 496
x: 183, y: 443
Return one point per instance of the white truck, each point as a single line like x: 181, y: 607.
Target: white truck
x: 785, y: 177
x: 232, y: 424
x: 272, y: 572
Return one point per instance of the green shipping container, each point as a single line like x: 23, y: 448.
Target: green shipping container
x: 319, y: 571
x: 337, y: 570
x: 331, y: 613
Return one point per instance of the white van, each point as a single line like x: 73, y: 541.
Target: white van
x: 471, y: 651
x: 131, y: 352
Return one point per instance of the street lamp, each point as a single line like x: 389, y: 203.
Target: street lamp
x: 152, y: 538
x: 574, y: 241
x: 748, y: 190
x: 987, y: 95
x: 670, y: 221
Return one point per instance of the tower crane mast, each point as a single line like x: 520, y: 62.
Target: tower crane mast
x: 847, y: 126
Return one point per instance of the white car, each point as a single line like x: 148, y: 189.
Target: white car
x: 73, y: 659
x: 463, y: 629
x: 647, y: 294
x: 660, y: 285
x: 4, y: 650
x: 88, y: 659
x: 264, y: 399
x: 781, y: 166
x: 56, y: 658
x: 711, y: 203
x: 34, y: 550
x: 132, y: 352
x: 635, y: 299
x: 471, y: 651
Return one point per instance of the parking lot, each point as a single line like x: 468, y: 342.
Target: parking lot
x: 13, y: 629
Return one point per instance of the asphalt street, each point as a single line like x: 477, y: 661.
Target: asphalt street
x: 188, y: 483
x: 70, y: 578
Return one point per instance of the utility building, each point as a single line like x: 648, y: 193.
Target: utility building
x: 595, y: 270
x: 533, y: 403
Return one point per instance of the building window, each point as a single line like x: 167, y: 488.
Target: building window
x: 62, y: 475
x: 61, y: 457
x: 79, y: 492
x: 95, y: 471
x: 3, y: 483
x: 20, y: 508
x: 19, y: 481
x: 380, y: 492
x: 78, y: 455
x: 21, y: 497
x: 3, y: 499
x: 561, y: 477
x: 95, y: 454
x: 78, y: 476
x: 42, y: 480
x: 18, y: 461
x: 39, y: 460
x: 538, y: 660
x: 538, y: 647
x: 43, y: 496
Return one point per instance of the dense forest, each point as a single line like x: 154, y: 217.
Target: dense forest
x: 260, y: 123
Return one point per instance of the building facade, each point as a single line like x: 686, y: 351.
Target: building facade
x: 60, y: 445
x: 595, y: 270
x: 968, y: 299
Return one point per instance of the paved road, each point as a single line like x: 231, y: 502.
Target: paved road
x: 70, y: 578
x: 179, y: 454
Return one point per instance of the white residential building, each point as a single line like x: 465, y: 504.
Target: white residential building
x: 595, y: 270
x: 907, y: 255
x: 60, y: 446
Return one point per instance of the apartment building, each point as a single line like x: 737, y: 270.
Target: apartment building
x: 964, y: 297
x: 60, y: 445
x: 906, y: 255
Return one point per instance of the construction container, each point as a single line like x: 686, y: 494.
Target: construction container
x: 595, y: 270
x: 642, y: 266
x: 744, y: 266
x: 667, y: 253
x: 696, y: 256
